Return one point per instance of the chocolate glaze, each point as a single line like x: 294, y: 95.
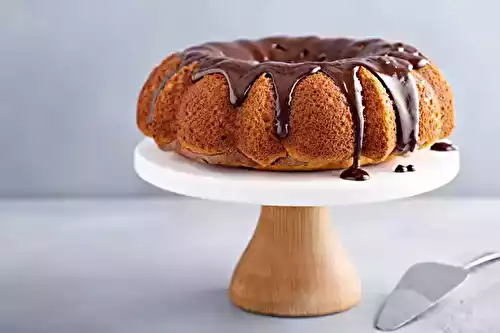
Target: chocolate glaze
x: 286, y: 61
x: 443, y: 146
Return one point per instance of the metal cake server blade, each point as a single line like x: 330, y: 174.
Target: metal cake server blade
x: 422, y: 287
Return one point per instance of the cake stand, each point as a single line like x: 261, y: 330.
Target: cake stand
x: 294, y: 264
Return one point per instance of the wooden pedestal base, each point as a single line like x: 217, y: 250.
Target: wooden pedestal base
x: 294, y: 266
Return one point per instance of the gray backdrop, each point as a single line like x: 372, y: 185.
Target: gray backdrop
x: 71, y: 70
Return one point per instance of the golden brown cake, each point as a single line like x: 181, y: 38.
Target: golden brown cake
x: 306, y: 103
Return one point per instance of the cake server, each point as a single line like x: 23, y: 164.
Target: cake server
x: 423, y: 286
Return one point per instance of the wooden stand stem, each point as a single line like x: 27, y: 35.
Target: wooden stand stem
x: 294, y: 266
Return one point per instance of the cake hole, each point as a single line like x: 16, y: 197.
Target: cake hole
x: 304, y: 53
x: 268, y: 75
x: 278, y: 47
x: 224, y: 137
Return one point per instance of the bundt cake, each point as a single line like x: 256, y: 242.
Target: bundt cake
x: 306, y: 103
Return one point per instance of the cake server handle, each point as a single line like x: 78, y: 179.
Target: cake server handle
x: 484, y: 259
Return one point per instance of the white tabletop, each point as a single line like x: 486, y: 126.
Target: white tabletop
x: 164, y: 266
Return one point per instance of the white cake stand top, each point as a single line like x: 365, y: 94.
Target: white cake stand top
x: 169, y: 171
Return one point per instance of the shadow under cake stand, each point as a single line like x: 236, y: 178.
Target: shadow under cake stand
x: 294, y: 265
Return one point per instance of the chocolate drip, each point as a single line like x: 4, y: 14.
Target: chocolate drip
x: 401, y: 168
x: 443, y: 146
x: 403, y: 90
x: 355, y: 173
x: 288, y: 60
